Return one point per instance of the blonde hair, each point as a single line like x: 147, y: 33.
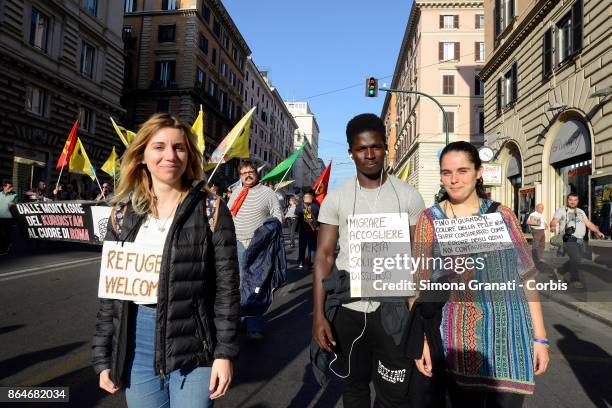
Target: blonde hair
x: 135, y: 178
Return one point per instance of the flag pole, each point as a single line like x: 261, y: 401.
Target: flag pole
x: 60, y: 175
x: 93, y: 170
x: 203, y: 157
x: 283, y: 179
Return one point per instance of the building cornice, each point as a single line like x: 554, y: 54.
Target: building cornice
x: 221, y: 11
x: 516, y: 37
x: 450, y: 4
x: 413, y: 19
x: 220, y: 8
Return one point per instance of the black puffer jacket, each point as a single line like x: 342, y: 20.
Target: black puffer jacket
x: 200, y: 322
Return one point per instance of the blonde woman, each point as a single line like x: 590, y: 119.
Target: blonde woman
x: 178, y: 351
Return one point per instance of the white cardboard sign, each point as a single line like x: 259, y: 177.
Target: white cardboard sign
x: 375, y: 238
x: 469, y: 235
x: 130, y: 271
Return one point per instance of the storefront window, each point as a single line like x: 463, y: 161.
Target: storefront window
x: 526, y: 206
x: 575, y: 179
x: 601, y: 204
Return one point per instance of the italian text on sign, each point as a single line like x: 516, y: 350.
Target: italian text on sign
x: 130, y: 271
x: 470, y: 235
x: 379, y: 255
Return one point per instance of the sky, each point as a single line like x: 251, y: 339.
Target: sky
x: 315, y: 47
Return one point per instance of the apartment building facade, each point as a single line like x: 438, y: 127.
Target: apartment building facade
x: 58, y: 60
x: 271, y: 137
x: 441, y: 55
x: 180, y: 55
x: 548, y: 87
x: 305, y: 169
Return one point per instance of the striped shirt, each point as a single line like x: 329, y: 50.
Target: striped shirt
x: 259, y: 205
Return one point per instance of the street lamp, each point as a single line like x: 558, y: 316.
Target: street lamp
x: 427, y: 96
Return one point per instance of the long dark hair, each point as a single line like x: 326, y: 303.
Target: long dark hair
x: 472, y: 154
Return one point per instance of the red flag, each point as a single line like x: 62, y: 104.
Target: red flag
x: 64, y: 158
x: 320, y: 186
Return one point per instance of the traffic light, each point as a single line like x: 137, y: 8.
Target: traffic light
x: 371, y: 87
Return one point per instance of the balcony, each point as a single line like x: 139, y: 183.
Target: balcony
x: 163, y: 84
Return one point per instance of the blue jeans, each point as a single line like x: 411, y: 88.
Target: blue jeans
x: 253, y: 323
x: 182, y: 388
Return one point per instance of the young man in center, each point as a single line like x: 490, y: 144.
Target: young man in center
x: 363, y: 336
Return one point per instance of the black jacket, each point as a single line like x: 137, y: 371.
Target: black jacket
x: 201, y: 322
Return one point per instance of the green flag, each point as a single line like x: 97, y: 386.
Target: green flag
x: 278, y: 173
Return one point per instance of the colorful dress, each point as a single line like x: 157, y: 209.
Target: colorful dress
x: 487, y: 339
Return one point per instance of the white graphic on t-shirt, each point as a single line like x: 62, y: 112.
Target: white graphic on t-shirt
x: 393, y: 376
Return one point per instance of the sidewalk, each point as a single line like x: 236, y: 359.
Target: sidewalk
x: 595, y: 300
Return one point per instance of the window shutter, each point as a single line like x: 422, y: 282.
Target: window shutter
x: 514, y: 83
x: 577, y: 26
x: 547, y: 53
x: 511, y: 10
x: 451, y: 85
x: 158, y: 71
x: 164, y: 4
x: 440, y: 51
x: 171, y: 70
x: 499, y: 95
x: 476, y: 51
x: 451, y: 121
x: 476, y: 85
x: 441, y: 21
x: 457, y: 51
x: 476, y: 22
x: 497, y: 17
x: 456, y: 22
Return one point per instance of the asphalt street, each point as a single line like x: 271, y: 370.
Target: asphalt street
x: 48, y: 305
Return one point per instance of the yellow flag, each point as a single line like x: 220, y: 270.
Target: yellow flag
x: 198, y: 130
x: 403, y: 176
x: 111, y: 165
x: 126, y: 136
x: 79, y: 162
x: 235, y: 144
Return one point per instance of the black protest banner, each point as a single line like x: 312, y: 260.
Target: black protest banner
x: 74, y: 221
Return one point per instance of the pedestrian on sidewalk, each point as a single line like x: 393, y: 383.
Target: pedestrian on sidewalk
x: 492, y: 342
x: 292, y: 220
x: 8, y: 197
x: 360, y: 340
x: 573, y: 223
x: 179, y: 351
x: 307, y: 214
x: 251, y: 205
x: 538, y: 231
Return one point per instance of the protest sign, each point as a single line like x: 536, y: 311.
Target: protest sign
x: 379, y: 255
x: 491, y: 174
x: 130, y: 271
x: 470, y: 235
x: 75, y: 221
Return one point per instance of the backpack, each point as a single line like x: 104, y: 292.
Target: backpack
x: 211, y: 206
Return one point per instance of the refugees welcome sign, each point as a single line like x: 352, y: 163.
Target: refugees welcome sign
x: 130, y: 271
